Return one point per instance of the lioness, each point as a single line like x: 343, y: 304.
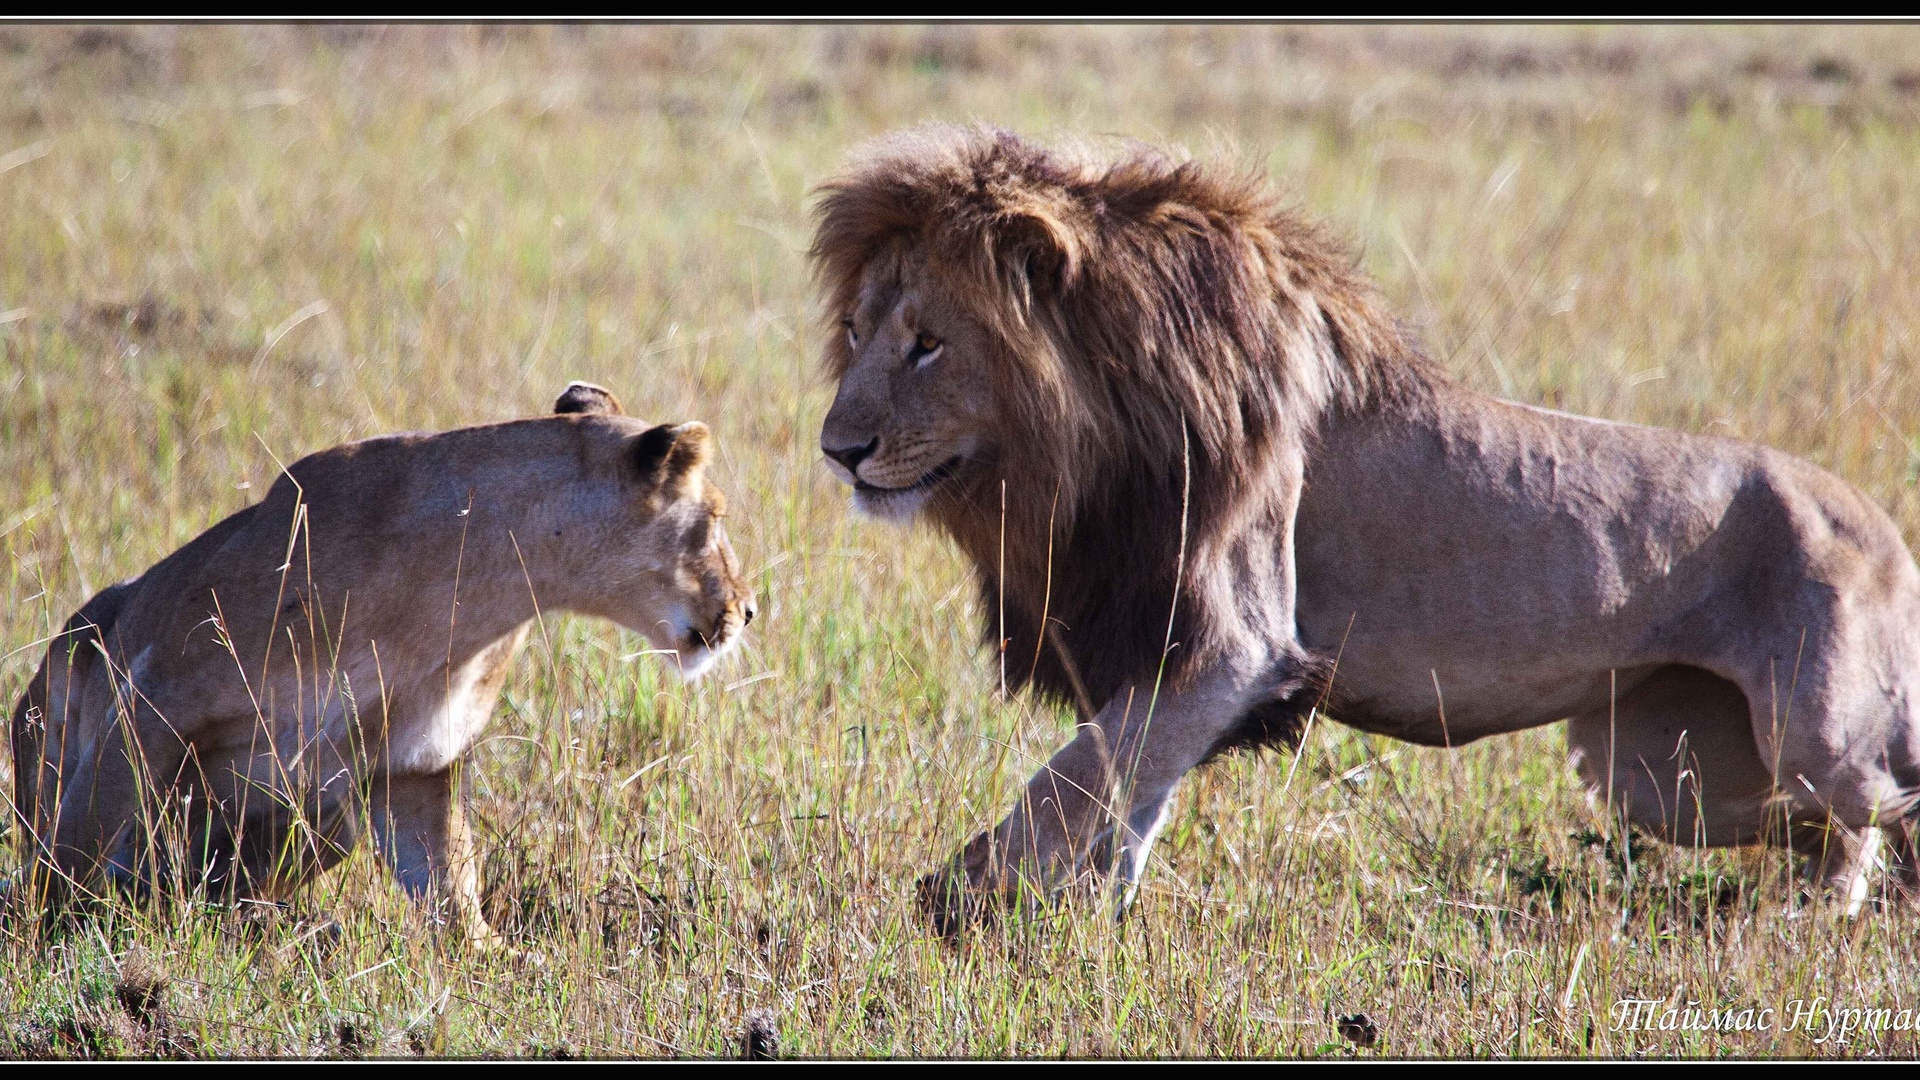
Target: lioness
x: 323, y: 658
x: 1193, y: 461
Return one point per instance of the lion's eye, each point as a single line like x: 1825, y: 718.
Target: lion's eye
x: 853, y: 336
x: 925, y: 348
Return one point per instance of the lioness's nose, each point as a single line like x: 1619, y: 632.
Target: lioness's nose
x: 746, y: 612
x: 851, y: 456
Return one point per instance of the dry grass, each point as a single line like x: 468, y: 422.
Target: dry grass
x: 219, y: 245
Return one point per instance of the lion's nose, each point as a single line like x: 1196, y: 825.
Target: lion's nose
x: 852, y: 456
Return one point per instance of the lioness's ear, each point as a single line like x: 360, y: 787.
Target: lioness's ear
x: 589, y: 398
x: 671, y: 457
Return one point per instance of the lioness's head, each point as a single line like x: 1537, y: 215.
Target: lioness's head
x: 666, y: 568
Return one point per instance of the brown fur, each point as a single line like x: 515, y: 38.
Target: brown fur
x: 325, y: 658
x: 1145, y: 311
x: 1182, y: 422
x: 586, y: 398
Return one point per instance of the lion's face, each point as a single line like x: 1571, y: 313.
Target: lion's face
x: 913, y: 414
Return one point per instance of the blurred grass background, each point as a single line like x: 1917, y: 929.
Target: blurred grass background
x: 225, y: 245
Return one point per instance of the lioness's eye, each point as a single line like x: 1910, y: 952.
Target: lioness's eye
x: 925, y: 348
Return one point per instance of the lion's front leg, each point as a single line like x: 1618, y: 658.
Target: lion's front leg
x: 1110, y: 785
x: 1064, y: 808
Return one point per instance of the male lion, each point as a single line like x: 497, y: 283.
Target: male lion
x: 1193, y: 462
x: 323, y: 659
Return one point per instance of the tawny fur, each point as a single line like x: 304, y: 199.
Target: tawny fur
x: 1182, y: 422
x: 322, y: 660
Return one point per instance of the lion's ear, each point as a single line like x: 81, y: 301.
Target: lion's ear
x: 671, y: 458
x: 1038, y: 252
x: 587, y: 398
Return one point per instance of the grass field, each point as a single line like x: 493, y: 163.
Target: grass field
x: 222, y: 247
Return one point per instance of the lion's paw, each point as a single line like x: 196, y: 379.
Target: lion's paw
x: 947, y: 902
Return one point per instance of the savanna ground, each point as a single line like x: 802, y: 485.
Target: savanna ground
x: 225, y: 247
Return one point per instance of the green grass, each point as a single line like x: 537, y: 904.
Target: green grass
x: 222, y: 246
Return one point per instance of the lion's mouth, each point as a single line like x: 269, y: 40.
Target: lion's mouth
x: 932, y: 478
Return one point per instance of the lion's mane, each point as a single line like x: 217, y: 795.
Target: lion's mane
x: 1167, y: 338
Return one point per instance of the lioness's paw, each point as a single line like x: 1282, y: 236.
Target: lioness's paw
x: 485, y: 941
x: 522, y: 958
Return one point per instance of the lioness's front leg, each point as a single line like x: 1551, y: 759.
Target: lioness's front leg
x: 422, y: 835
x: 1117, y: 774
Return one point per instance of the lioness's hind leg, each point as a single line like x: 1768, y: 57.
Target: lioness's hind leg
x: 1676, y: 754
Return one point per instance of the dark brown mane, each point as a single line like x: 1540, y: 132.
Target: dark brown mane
x: 1167, y: 332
